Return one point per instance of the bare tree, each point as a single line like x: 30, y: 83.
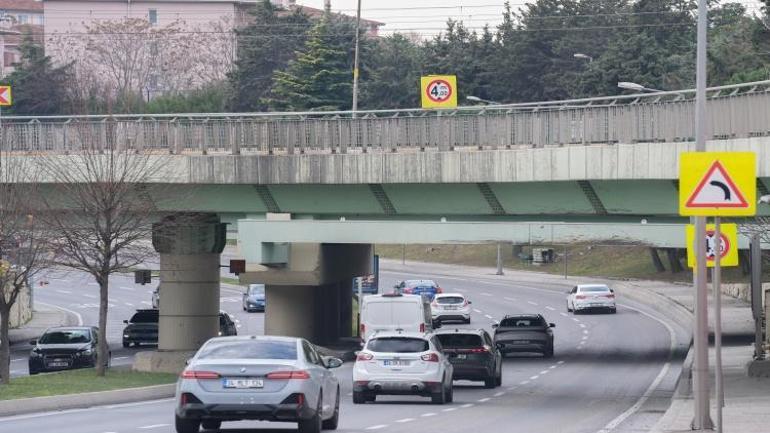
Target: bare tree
x: 23, y: 251
x: 102, y: 210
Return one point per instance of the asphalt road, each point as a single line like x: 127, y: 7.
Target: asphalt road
x: 610, y: 373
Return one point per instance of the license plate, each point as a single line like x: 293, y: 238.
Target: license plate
x: 58, y: 364
x: 243, y: 383
x: 395, y: 363
x: 521, y: 342
x: 462, y: 356
x: 450, y: 307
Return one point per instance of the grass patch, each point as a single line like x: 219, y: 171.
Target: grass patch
x: 78, y: 381
x: 232, y: 242
x: 228, y: 280
x: 582, y: 260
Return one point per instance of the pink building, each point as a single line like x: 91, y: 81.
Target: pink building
x: 17, y: 19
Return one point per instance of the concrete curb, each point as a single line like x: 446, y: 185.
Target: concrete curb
x: 85, y: 400
x: 29, y: 331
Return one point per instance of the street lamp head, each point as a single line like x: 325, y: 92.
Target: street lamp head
x: 582, y: 56
x: 764, y: 199
x: 473, y: 98
x: 631, y: 86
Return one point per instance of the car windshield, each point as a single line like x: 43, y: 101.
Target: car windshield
x: 256, y: 289
x: 249, y: 349
x: 398, y: 345
x: 66, y: 337
x: 424, y: 284
x: 451, y: 341
x: 595, y: 289
x: 522, y: 322
x: 450, y: 300
x: 145, y: 317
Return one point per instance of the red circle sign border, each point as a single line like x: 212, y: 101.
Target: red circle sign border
x: 449, y: 86
x: 725, y: 242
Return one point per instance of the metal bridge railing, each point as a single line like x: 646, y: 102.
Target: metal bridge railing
x: 734, y: 111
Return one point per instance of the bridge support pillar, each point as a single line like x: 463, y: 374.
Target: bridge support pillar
x: 189, y: 245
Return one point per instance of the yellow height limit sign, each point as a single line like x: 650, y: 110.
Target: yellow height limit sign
x: 438, y: 91
x: 728, y: 254
x: 717, y: 184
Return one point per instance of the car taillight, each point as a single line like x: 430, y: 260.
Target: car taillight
x: 406, y: 290
x: 422, y: 327
x: 430, y: 357
x: 439, y: 290
x: 362, y: 330
x: 479, y: 350
x: 434, y: 304
x: 580, y: 296
x: 287, y: 375
x: 192, y: 374
x: 363, y: 356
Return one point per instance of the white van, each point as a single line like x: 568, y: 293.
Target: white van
x: 390, y: 312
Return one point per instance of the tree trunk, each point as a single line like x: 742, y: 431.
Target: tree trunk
x: 673, y: 260
x: 5, y: 346
x: 102, y: 349
x: 656, y: 260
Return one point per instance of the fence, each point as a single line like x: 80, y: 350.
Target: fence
x: 734, y: 111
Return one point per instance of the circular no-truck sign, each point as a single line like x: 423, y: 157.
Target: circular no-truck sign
x: 438, y: 90
x: 724, y: 245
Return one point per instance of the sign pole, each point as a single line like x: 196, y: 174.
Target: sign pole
x: 717, y: 280
x: 756, y: 295
x: 355, y: 61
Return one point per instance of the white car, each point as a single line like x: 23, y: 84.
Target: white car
x: 402, y: 363
x: 394, y: 311
x: 586, y: 297
x: 450, y: 306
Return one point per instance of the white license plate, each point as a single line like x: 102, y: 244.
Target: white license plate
x: 58, y: 364
x: 451, y: 307
x: 461, y: 356
x: 395, y: 363
x: 521, y: 342
x: 244, y: 383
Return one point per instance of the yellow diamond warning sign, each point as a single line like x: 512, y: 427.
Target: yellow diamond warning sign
x: 717, y: 184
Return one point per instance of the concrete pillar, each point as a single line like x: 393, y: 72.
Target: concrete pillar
x: 189, y: 245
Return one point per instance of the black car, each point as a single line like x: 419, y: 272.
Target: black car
x: 524, y: 333
x: 473, y: 355
x: 142, y: 328
x: 64, y: 349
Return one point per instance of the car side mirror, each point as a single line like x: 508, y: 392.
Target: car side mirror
x: 436, y: 325
x: 612, y: 291
x: 187, y: 361
x: 552, y: 325
x: 469, y: 302
x: 332, y: 362
x: 126, y: 322
x: 33, y: 342
x: 495, y: 325
x: 569, y: 292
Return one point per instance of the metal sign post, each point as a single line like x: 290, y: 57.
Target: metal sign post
x: 717, y: 280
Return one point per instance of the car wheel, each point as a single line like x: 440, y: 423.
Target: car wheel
x: 499, y: 376
x: 33, y: 372
x: 359, y: 397
x: 126, y: 344
x: 333, y: 422
x: 439, y: 397
x: 468, y: 321
x: 211, y: 424
x: 548, y: 352
x: 569, y: 310
x: 614, y: 311
x: 450, y: 393
x: 490, y: 382
x: 312, y: 425
x: 184, y: 425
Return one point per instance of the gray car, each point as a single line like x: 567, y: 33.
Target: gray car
x: 254, y: 298
x: 261, y: 378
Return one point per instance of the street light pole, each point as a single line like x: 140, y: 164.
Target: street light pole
x: 355, y: 60
x: 702, y: 419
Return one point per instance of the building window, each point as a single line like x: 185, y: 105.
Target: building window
x: 23, y: 19
x: 153, y: 16
x: 40, y: 20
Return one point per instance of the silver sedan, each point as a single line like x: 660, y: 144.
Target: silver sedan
x: 265, y: 378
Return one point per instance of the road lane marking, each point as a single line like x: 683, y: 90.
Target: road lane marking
x: 511, y: 388
x: 147, y: 427
x: 467, y: 405
x: 523, y: 382
x: 584, y: 338
x: 238, y: 326
x: 486, y: 294
x: 18, y: 359
x: 500, y: 394
x: 425, y: 415
x: 376, y: 427
x: 510, y: 299
x: 560, y: 362
x: 449, y: 409
x: 531, y: 303
x: 544, y: 372
x: 577, y: 320
x: 405, y: 420
x: 585, y: 331
x: 534, y: 377
x: 128, y: 304
x: 477, y: 310
x: 552, y: 367
x: 488, y: 316
x: 93, y: 284
x: 484, y: 400
x: 145, y: 302
x: 127, y: 288
x: 120, y: 357
x: 87, y: 295
x: 550, y: 308
x: 75, y: 313
x: 655, y: 383
x: 564, y: 314
x: 66, y: 292
x: 582, y: 325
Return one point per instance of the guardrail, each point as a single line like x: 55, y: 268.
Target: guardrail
x: 734, y: 111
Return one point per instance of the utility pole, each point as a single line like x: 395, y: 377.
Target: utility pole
x: 702, y: 418
x: 355, y: 60
x: 499, y: 259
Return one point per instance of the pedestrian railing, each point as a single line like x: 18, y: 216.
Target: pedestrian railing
x: 735, y: 111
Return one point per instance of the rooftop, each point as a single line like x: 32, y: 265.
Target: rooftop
x: 22, y: 5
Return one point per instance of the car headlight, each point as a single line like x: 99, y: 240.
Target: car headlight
x: 86, y: 352
x: 126, y: 335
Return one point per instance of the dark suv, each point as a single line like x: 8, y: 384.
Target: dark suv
x: 473, y: 355
x: 525, y: 333
x: 64, y: 349
x: 142, y: 328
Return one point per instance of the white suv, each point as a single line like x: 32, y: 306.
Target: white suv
x: 450, y: 306
x: 586, y: 297
x: 402, y: 363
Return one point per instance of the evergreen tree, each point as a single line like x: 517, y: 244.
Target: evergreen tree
x: 38, y: 87
x: 392, y: 73
x: 265, y: 46
x: 320, y: 77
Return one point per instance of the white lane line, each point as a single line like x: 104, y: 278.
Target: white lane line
x: 75, y: 313
x: 477, y: 310
x: 425, y: 415
x: 376, y: 427
x: 146, y: 302
x: 467, y: 405
x: 484, y: 400
x: 577, y: 320
x: 585, y: 331
x: 66, y: 292
x: 582, y: 325
x: 488, y: 316
x: 120, y: 357
x: 499, y: 394
x: 449, y: 409
x: 150, y: 291
x: 486, y: 294
x: 655, y: 383
x: 544, y: 372
x: 87, y: 295
x: 510, y: 299
x: 147, y: 427
x: 560, y: 362
x: 534, y: 377
x: 585, y: 337
x: 238, y: 326
x: 580, y: 346
x: 401, y: 421
x: 127, y: 288
x: 349, y: 394
x: 552, y: 367
x: 128, y: 304
x: 531, y: 303
x: 523, y: 382
x: 511, y: 388
x: 564, y: 314
x: 96, y: 284
x: 550, y: 308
